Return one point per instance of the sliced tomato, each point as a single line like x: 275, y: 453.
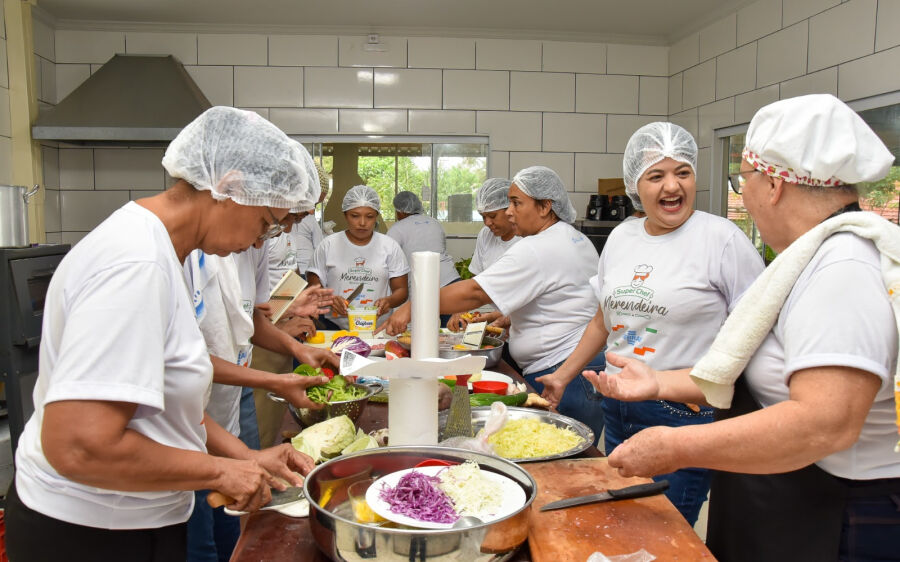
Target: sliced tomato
x: 328, y: 373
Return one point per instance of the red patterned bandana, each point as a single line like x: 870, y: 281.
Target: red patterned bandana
x: 787, y: 174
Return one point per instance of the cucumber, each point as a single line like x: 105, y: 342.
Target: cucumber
x: 488, y: 398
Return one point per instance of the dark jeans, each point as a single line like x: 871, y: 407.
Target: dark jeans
x: 211, y: 533
x: 34, y: 537
x: 871, y: 529
x: 249, y: 426
x: 688, y: 487
x: 580, y: 400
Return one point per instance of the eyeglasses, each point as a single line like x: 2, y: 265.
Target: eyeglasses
x: 275, y: 228
x: 738, y: 180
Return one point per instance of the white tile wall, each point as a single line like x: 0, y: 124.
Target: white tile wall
x: 561, y: 163
x: 76, y: 168
x: 714, y: 116
x: 48, y: 81
x: 404, y: 88
x: 54, y: 238
x: 782, y: 56
x: 134, y: 194
x: 88, y: 46
x: 4, y: 73
x: 5, y: 160
x: 69, y: 77
x: 718, y: 38
x: 688, y: 120
x: 441, y: 122
x: 796, y: 10
x: 870, y: 75
x: 375, y: 121
x: 338, y: 87
x: 685, y: 53
x: 216, y: 82
x: 619, y: 129
x: 5, y: 126
x: 758, y: 20
x: 261, y: 111
x: 352, y: 52
x: 562, y: 56
x: 590, y: 167
x: 736, y: 71
x: 580, y: 202
x: 441, y: 52
x: 50, y: 166
x: 843, y: 33
x: 128, y: 168
x: 499, y: 164
x: 675, y: 90
x: 44, y: 40
x: 746, y: 105
x: 699, y: 84
x: 476, y: 89
x: 887, y: 30
x: 510, y: 130
x: 507, y: 54
x: 704, y: 163
x: 303, y: 50
x: 541, y: 91
x: 52, y: 214
x: 274, y: 86
x: 84, y: 210
x: 637, y: 59
x: 305, y: 121
x: 238, y: 50
x: 606, y: 93
x: 574, y: 132
x: 822, y: 82
x: 654, y: 99
x: 182, y: 45
x: 72, y: 238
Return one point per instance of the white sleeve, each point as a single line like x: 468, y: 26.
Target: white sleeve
x: 262, y: 275
x: 318, y: 265
x: 512, y: 281
x: 396, y: 260
x: 476, y: 266
x: 315, y: 234
x: 739, y: 266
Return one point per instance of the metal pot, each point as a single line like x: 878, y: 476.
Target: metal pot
x: 492, y: 356
x: 341, y: 537
x: 14, y: 215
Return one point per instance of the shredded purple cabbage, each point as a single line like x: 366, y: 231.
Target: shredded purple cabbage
x: 416, y: 495
x: 353, y: 343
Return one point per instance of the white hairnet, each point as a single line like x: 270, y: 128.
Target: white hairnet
x: 409, y: 203
x: 311, y: 196
x: 361, y: 196
x: 239, y: 155
x: 540, y: 182
x: 651, y: 144
x: 493, y: 195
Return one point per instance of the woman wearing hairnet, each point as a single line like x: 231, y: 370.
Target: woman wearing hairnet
x: 665, y: 284
x: 118, y: 439
x: 360, y: 256
x: 541, y: 283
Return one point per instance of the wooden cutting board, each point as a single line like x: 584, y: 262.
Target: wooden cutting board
x: 616, y: 527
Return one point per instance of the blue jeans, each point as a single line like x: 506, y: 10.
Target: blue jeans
x: 211, y: 533
x: 580, y: 400
x: 249, y: 426
x: 688, y: 487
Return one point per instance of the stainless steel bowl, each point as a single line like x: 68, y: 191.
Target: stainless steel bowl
x: 492, y: 356
x: 340, y: 537
x: 481, y: 413
x: 350, y: 408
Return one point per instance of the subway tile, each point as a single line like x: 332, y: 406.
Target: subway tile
x: 69, y: 77
x: 136, y: 194
x: 541, y: 91
x: 305, y: 121
x: 796, y: 10
x: 704, y: 171
x: 746, y: 105
x: 303, y: 50
x: 647, y: 60
x: 441, y: 52
x: 261, y: 111
x: 759, y: 19
x: 5, y: 124
x: 841, y: 34
x: 675, y: 89
x: 719, y: 37
x: 52, y: 215
x: 441, y: 122
x: 405, y: 88
x: 887, y: 29
x: 560, y: 56
x: 5, y: 159
x: 869, y: 76
x: 574, y: 132
x: 53, y: 237
x: 232, y: 49
x: 782, y: 56
x: 128, y: 168
x: 714, y: 116
x: 50, y: 166
x: 580, y: 201
x: 43, y: 39
x: 338, y: 87
x: 736, y: 71
x: 84, y: 210
x: 216, y: 83
x: 273, y: 86
x: 76, y: 168
x: 499, y: 164
x: 591, y: 167
x: 822, y: 82
x: 511, y: 130
x: 699, y: 84
x: 688, y: 120
x: 606, y: 94
x: 72, y: 238
x: 685, y: 53
x: 48, y: 81
x: 619, y: 129
x: 374, y: 121
x: 73, y: 46
x: 654, y: 96
x: 476, y: 89
x: 354, y: 51
x: 507, y: 54
x: 561, y: 163
x: 4, y: 73
x: 182, y: 45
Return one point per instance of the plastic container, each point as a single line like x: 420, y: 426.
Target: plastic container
x: 495, y: 387
x: 362, y: 320
x: 361, y: 510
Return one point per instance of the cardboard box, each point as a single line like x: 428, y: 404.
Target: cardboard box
x: 611, y: 186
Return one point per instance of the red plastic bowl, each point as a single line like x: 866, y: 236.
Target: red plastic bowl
x: 495, y: 387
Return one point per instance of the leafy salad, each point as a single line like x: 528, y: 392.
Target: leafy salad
x: 337, y: 389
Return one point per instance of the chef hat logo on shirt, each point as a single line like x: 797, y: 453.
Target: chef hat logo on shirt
x: 641, y: 273
x: 359, y: 262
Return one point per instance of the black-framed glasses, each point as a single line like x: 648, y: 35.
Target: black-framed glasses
x: 275, y: 228
x: 739, y: 180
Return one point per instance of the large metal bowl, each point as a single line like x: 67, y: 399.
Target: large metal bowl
x: 492, y: 356
x: 481, y: 413
x: 350, y: 408
x: 340, y: 537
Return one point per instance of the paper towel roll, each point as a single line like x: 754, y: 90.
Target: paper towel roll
x: 425, y: 298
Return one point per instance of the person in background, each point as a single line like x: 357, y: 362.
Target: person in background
x: 541, y: 283
x: 360, y: 256
x: 309, y: 234
x: 417, y: 232
x: 107, y: 464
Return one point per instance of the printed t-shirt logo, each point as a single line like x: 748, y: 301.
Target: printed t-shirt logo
x: 358, y: 272
x: 636, y: 298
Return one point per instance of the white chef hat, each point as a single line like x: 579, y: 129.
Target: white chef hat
x: 311, y: 196
x: 815, y: 140
x: 540, y: 182
x: 493, y: 195
x: 653, y: 143
x: 361, y: 196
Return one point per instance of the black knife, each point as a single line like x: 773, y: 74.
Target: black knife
x: 639, y: 491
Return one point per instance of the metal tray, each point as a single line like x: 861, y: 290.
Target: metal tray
x: 480, y: 414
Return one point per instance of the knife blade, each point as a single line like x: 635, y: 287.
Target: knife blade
x: 279, y: 497
x: 638, y: 491
x: 355, y: 293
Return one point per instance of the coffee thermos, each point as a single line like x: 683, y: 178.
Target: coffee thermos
x: 597, y: 206
x: 605, y: 208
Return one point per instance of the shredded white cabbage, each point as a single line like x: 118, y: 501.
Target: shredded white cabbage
x: 471, y: 492
x: 526, y: 438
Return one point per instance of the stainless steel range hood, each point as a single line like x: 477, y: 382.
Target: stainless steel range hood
x: 131, y: 99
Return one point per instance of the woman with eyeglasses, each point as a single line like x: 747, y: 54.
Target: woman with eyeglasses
x: 665, y: 284
x: 360, y: 256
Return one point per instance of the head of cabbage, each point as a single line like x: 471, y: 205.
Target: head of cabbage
x: 325, y: 439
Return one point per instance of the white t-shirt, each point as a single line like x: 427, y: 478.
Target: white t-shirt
x: 308, y: 235
x: 541, y: 283
x: 838, y: 314
x: 292, y: 251
x: 664, y: 297
x: 421, y: 233
x: 119, y: 326
x: 488, y: 249
x: 342, y: 265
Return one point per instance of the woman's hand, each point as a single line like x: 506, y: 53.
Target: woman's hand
x: 247, y: 482
x: 383, y: 305
x: 397, y: 322
x: 313, y: 301
x: 315, y: 356
x: 284, y: 462
x: 502, y: 322
x: 647, y: 453
x: 636, y: 381
x: 554, y: 387
x: 297, y: 326
x: 293, y: 389
x: 457, y: 323
x: 266, y: 309
x: 338, y: 306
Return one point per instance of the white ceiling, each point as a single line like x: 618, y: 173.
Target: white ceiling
x: 645, y: 21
